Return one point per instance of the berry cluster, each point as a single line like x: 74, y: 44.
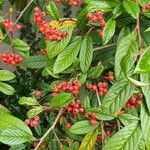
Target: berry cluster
x: 91, y: 116
x: 134, y: 100
x: 73, y: 87
x: 9, y: 25
x: 98, y: 18
x: 70, y: 2
x: 68, y: 125
x: 49, y: 32
x: 10, y: 58
x: 101, y: 87
x: 32, y: 122
x: 146, y: 7
x: 74, y: 107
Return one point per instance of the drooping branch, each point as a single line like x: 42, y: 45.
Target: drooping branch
x: 49, y: 130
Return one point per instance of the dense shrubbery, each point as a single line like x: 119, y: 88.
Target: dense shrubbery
x: 78, y: 83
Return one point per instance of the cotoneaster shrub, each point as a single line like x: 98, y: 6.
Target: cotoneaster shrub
x: 79, y: 76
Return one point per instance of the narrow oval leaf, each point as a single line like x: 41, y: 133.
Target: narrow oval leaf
x: 117, y: 95
x: 34, y: 111
x: 143, y: 65
x: 125, y: 44
x: 109, y: 30
x: 89, y: 141
x: 145, y: 125
x: 68, y: 56
x: 62, y: 99
x: 52, y: 10
x: 83, y: 127
x: 21, y: 47
x: 132, y: 8
x: 28, y: 101
x: 56, y: 47
x: 6, y: 75
x: 13, y: 131
x: 86, y: 54
x: 35, y: 62
x: 145, y: 77
x: 125, y: 139
x: 6, y: 89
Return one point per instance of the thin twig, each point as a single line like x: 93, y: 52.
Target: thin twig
x: 98, y: 99
x: 138, y: 32
x: 50, y: 129
x: 103, y: 132
x: 18, y: 18
x: 118, y: 124
x: 60, y: 144
x: 103, y: 47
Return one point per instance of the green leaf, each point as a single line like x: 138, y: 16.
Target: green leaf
x: 1, y: 19
x: 6, y: 75
x: 109, y: 30
x: 145, y: 125
x: 68, y: 56
x: 145, y: 77
x: 126, y: 139
x: 3, y: 110
x: 35, y: 62
x: 96, y: 71
x: 102, y: 116
x: 34, y: 111
x: 1, y: 34
x: 21, y: 47
x: 49, y: 71
x: 143, y: 65
x: 86, y: 54
x: 132, y: 8
x: 89, y: 141
x: 116, y: 96
x: 56, y: 47
x: 52, y: 10
x: 6, y: 89
x: 61, y: 99
x: 127, y: 119
x: 92, y: 6
x: 28, y: 101
x: 147, y: 30
x: 83, y: 127
x: 13, y: 131
x: 125, y: 44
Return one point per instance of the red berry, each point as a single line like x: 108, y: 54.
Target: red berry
x: 37, y: 93
x: 68, y: 125
x: 92, y: 121
x: 27, y: 121
x: 36, y: 118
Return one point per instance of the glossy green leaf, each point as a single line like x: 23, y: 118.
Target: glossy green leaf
x: 108, y: 31
x: 145, y: 125
x: 3, y: 110
x: 35, y: 111
x: 83, y: 127
x: 6, y: 75
x: 52, y: 10
x: 125, y: 44
x: 132, y: 8
x: 68, y: 56
x: 35, y: 62
x: 21, y: 47
x: 143, y: 65
x: 61, y: 99
x: 127, y: 119
x: 145, y: 77
x: 28, y: 101
x: 96, y: 71
x: 6, y: 89
x: 13, y: 131
x: 56, y: 47
x: 89, y: 141
x: 117, y: 95
x: 86, y: 54
x: 125, y: 139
